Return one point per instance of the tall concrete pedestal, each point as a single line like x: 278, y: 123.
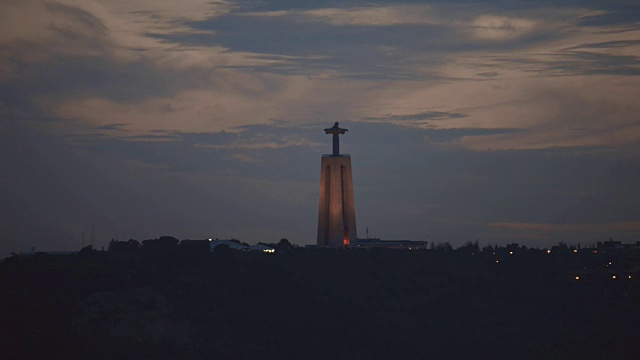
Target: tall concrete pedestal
x: 336, y: 214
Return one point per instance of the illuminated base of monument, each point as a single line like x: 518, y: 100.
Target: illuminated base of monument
x: 336, y: 214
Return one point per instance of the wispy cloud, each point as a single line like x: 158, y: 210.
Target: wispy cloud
x: 259, y: 144
x: 532, y: 105
x: 382, y: 15
x: 428, y: 115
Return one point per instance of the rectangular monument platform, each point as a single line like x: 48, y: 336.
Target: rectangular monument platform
x: 336, y: 213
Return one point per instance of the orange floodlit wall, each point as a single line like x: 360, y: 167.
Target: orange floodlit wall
x: 336, y: 210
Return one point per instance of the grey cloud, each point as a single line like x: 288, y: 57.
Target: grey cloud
x: 489, y: 74
x: 26, y: 98
x: 451, y: 135
x: 112, y: 127
x: 429, y: 115
x: 605, y: 45
x: 440, y: 136
x: 356, y: 51
x: 616, y: 13
x: 587, y: 63
x: 80, y: 15
x: 154, y: 137
x: 353, y: 50
x: 580, y: 59
x: 78, y: 60
x: 571, y: 63
x: 126, y: 82
x: 87, y: 20
x: 65, y: 30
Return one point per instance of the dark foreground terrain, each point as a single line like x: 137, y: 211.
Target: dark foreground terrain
x: 304, y: 304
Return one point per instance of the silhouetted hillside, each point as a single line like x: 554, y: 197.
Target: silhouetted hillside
x: 139, y: 301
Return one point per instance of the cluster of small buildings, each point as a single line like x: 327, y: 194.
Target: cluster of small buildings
x: 237, y: 245
x: 616, y: 245
x: 376, y: 243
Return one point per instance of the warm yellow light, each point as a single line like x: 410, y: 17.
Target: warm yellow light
x: 629, y: 276
x: 577, y: 277
x: 510, y: 252
x: 548, y: 251
x: 614, y: 277
x: 575, y: 250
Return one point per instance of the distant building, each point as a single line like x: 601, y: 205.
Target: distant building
x: 635, y: 246
x: 391, y: 244
x: 262, y: 248
x: 57, y: 252
x: 233, y: 244
x: 609, y: 245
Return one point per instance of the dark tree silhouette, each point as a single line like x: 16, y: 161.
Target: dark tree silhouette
x: 469, y: 248
x: 283, y: 245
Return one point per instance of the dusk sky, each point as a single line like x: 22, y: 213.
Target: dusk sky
x: 496, y: 121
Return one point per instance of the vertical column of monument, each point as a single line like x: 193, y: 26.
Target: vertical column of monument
x: 324, y: 209
x: 348, y: 205
x: 336, y: 211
